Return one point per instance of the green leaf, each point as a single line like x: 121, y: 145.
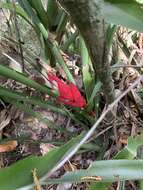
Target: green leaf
x: 62, y: 21
x: 70, y: 40
x: 41, y: 13
x: 40, y: 29
x: 101, y: 186
x: 20, y: 174
x: 9, y: 73
x: 87, y: 78
x: 91, y: 101
x: 57, y: 54
x: 127, y: 13
x: 129, y: 152
x: 111, y: 170
x: 38, y: 25
x: 41, y: 118
x: 52, y: 12
x: 17, y: 96
x: 106, y: 171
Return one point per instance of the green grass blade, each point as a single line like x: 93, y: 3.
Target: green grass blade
x: 96, y: 89
x: 52, y: 12
x: 110, y: 170
x: 52, y: 46
x: 94, y: 98
x: 107, y: 171
x: 42, y: 15
x: 129, y: 152
x: 20, y: 11
x: 9, y: 73
x: 35, y: 19
x: 4, y: 92
x: 87, y: 78
x: 62, y: 21
x: 129, y: 11
x: 70, y: 40
x: 20, y: 174
x: 122, y: 185
x: 141, y: 185
x: 56, y: 52
x: 41, y: 118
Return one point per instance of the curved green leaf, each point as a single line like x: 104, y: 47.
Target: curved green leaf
x: 106, y: 171
x: 86, y: 75
x: 129, y: 152
x: 20, y: 173
x: 18, y: 97
x: 52, y: 12
x: 38, y: 6
x: 12, y: 74
x: 127, y: 13
x: 101, y: 186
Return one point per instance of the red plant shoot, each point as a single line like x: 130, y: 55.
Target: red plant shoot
x: 68, y: 94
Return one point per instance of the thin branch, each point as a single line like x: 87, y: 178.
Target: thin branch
x: 121, y: 66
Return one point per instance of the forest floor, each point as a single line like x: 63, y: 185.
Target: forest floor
x: 22, y: 134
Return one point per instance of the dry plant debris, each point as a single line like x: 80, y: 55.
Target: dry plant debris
x: 32, y: 136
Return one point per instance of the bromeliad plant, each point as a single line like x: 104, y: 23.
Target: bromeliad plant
x: 94, y: 35
x: 44, y: 29
x: 68, y: 94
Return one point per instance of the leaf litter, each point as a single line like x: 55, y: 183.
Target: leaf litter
x: 25, y: 135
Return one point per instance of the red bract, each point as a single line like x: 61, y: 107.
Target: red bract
x: 68, y: 94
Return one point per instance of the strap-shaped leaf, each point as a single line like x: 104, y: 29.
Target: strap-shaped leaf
x: 127, y: 13
x: 106, y: 171
x: 20, y: 173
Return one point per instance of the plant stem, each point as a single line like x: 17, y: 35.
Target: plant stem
x: 87, y: 15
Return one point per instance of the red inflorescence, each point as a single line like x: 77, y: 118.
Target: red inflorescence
x: 68, y: 94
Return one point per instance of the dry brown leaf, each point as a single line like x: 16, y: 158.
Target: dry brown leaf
x: 4, y: 119
x: 65, y: 186
x: 45, y: 148
x: 69, y: 167
x: 8, y: 146
x: 123, y: 139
